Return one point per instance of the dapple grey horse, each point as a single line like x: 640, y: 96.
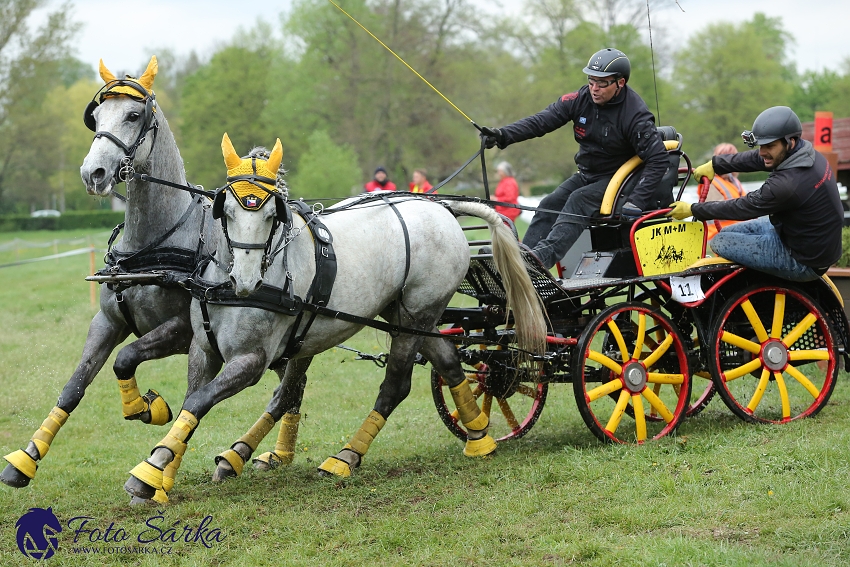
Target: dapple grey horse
x: 131, y: 131
x: 376, y: 275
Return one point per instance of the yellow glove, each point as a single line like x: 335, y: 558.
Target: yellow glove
x: 704, y: 170
x: 681, y: 210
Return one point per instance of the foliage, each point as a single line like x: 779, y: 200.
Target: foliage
x: 69, y: 220
x: 844, y: 261
x: 32, y: 63
x: 326, y: 169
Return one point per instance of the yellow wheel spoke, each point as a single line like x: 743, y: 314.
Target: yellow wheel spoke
x: 801, y: 328
x: 659, y: 406
x: 477, y: 391
x: 778, y: 315
x: 618, y: 336
x: 526, y: 391
x: 603, y: 390
x: 618, y: 412
x: 658, y: 378
x: 751, y: 366
x: 640, y: 419
x: 640, y: 336
x: 753, y: 317
x: 783, y: 394
x: 488, y: 403
x: 757, y: 395
x: 808, y: 355
x: 605, y: 361
x: 508, y: 413
x: 740, y: 342
x: 656, y: 389
x: 455, y: 415
x: 659, y: 352
x: 801, y: 378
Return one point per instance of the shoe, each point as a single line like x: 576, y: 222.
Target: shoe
x: 485, y: 251
x: 529, y: 254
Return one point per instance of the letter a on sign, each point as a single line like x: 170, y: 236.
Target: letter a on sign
x: 823, y: 132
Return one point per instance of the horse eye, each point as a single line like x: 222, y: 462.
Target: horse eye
x: 133, y: 116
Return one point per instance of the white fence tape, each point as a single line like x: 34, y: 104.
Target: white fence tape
x: 52, y: 257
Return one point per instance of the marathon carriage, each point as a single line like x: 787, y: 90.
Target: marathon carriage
x: 648, y: 328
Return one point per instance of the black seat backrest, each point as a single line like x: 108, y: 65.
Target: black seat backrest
x: 663, y: 193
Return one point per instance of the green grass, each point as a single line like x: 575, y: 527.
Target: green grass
x: 720, y: 493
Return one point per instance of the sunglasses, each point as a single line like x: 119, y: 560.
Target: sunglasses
x: 601, y: 84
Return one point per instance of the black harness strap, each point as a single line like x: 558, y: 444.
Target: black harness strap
x: 208, y: 329
x: 125, y: 311
x: 400, y: 298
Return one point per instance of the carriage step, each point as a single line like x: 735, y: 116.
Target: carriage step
x: 476, y: 227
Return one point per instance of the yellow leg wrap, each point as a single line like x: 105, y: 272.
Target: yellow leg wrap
x: 176, y: 438
x: 284, y: 449
x: 367, y: 433
x: 149, y: 474
x: 160, y: 497
x: 21, y: 460
x: 233, y: 458
x: 131, y: 400
x: 168, y: 475
x: 258, y: 431
x: 44, y: 436
x: 479, y: 447
x: 468, y: 411
x: 335, y: 467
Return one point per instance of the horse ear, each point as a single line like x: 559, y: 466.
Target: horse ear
x: 105, y: 73
x: 231, y: 158
x: 146, y: 80
x: 275, y: 157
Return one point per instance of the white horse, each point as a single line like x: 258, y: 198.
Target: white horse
x: 162, y: 226
x: 402, y: 259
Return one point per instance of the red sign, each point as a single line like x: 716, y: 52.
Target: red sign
x: 823, y: 131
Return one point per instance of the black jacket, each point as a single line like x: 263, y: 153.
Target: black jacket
x: 607, y: 135
x: 800, y: 196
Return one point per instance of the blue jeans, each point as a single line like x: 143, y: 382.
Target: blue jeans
x: 756, y: 244
x: 550, y: 235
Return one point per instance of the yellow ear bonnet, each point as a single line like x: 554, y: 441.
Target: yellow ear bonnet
x: 250, y: 196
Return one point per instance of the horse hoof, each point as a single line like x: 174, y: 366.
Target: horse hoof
x: 139, y: 489
x: 223, y: 471
x: 13, y: 477
x: 335, y: 467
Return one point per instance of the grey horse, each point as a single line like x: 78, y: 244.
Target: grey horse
x: 376, y: 275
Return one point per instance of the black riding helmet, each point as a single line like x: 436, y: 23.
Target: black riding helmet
x: 607, y: 62
x: 777, y: 122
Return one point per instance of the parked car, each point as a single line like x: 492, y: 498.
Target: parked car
x: 46, y: 213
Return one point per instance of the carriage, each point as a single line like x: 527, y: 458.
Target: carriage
x: 648, y: 329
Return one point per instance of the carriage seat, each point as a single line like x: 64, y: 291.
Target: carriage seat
x: 625, y: 180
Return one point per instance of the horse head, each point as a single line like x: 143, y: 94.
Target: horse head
x: 122, y: 114
x: 249, y: 225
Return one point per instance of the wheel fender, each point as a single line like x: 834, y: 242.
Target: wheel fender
x: 825, y: 292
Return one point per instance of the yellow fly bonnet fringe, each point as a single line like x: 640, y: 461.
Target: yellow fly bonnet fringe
x: 252, y: 181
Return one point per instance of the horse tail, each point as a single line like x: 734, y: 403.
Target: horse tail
x: 522, y: 298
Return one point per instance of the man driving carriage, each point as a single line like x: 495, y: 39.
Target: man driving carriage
x: 801, y: 237
x: 611, y: 123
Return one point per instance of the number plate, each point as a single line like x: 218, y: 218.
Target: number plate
x: 686, y: 290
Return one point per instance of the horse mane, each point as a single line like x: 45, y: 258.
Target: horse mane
x: 262, y: 152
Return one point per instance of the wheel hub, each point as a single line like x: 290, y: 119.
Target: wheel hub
x: 775, y: 355
x: 634, y: 376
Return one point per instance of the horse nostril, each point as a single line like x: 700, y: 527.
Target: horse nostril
x: 233, y: 281
x: 259, y: 283
x: 98, y: 175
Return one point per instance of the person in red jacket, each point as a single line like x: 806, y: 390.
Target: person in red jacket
x: 420, y: 182
x: 507, y: 191
x: 380, y: 181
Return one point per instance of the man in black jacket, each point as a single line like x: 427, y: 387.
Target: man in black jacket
x: 611, y: 124
x: 802, y: 236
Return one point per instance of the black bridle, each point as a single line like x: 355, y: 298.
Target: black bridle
x: 124, y: 172
x: 283, y: 215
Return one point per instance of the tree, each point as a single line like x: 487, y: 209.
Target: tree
x: 326, y: 170
x: 32, y: 63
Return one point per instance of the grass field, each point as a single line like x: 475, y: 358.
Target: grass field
x: 720, y: 493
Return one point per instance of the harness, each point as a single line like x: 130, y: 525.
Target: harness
x: 172, y: 263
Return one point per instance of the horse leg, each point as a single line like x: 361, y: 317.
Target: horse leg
x: 102, y: 338
x: 241, y: 371
x: 172, y: 337
x: 202, y: 369
x: 443, y: 357
x: 394, y: 389
x: 285, y: 406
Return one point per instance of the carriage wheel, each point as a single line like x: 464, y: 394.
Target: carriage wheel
x: 702, y: 389
x: 620, y: 370
x: 512, y: 401
x: 773, y: 357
